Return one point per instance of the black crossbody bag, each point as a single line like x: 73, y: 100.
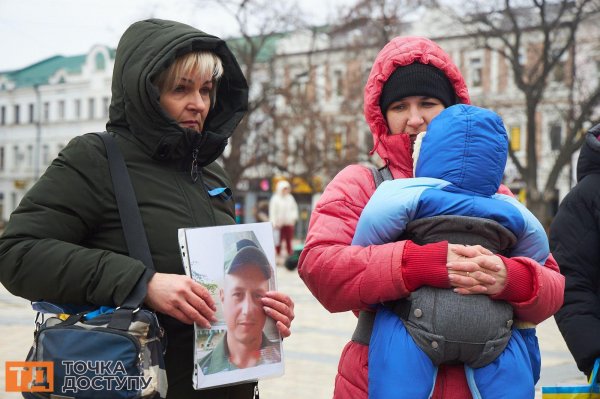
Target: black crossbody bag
x: 117, y: 354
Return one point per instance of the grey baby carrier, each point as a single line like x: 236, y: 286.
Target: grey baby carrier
x: 450, y: 327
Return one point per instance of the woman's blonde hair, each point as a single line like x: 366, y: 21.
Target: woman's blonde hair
x: 205, y: 63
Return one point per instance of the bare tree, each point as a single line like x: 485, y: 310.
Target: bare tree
x: 309, y: 143
x: 298, y: 137
x: 539, y: 39
x: 261, y: 23
x: 377, y: 21
x: 363, y: 29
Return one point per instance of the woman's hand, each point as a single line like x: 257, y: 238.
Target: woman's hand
x: 182, y: 298
x: 280, y: 308
x: 475, y: 270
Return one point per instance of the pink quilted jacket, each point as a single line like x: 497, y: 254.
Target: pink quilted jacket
x: 350, y: 278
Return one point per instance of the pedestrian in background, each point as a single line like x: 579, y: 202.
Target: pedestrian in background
x: 283, y: 213
x: 411, y: 82
x: 575, y: 242
x: 261, y: 213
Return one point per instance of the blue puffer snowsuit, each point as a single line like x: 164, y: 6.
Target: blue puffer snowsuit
x: 463, y: 156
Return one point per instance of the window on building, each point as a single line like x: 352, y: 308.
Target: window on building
x: 559, y: 71
x: 45, y: 154
x: 515, y: 138
x: 77, y: 109
x: 46, y: 111
x: 17, y: 118
x: 91, y: 106
x: 522, y: 56
x: 29, y: 160
x: 3, y: 115
x: 1, y: 158
x: 339, y: 82
x: 555, y: 136
x: 300, y: 85
x: 13, y: 200
x: 31, y: 113
x: 16, y: 156
x: 106, y: 105
x: 558, y: 74
x: 61, y: 110
x: 100, y: 62
x: 475, y: 71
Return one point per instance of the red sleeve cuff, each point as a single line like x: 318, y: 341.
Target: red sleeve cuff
x: 425, y: 265
x: 519, y: 283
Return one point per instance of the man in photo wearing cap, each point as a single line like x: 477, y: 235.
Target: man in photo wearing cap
x: 244, y: 344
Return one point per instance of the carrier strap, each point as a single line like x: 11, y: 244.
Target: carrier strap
x: 366, y: 319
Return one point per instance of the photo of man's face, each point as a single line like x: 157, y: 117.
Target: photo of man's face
x: 234, y: 263
x: 241, y: 297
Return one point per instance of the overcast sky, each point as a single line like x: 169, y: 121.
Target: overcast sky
x: 32, y: 30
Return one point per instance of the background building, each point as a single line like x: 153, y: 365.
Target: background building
x: 42, y: 107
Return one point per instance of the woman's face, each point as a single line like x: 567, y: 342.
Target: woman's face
x: 189, y: 101
x: 411, y: 115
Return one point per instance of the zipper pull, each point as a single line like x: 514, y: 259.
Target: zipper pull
x: 194, y: 171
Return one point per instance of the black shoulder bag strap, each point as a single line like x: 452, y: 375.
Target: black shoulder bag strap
x: 366, y: 319
x: 133, y: 228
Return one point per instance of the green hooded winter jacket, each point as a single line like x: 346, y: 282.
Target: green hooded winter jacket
x: 64, y: 243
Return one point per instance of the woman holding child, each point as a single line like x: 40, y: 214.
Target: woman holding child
x: 411, y: 82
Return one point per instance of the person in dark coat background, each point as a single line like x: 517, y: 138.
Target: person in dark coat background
x: 575, y: 243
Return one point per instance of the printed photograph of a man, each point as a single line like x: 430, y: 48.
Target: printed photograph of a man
x: 246, y: 280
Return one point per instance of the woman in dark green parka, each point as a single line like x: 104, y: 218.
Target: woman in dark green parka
x: 177, y: 95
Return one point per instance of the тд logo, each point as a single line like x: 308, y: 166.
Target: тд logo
x: 29, y: 376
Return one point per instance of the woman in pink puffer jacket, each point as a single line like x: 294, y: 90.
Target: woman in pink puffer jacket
x: 411, y: 81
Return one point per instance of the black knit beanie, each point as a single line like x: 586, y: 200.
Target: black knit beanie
x: 417, y: 80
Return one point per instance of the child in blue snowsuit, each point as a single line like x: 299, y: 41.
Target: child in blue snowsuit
x: 458, y: 172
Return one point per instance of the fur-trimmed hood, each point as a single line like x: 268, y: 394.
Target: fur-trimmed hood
x: 466, y: 146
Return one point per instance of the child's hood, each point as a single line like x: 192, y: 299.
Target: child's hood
x: 466, y: 146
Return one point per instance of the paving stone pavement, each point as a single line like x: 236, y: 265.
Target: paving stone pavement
x: 310, y: 354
